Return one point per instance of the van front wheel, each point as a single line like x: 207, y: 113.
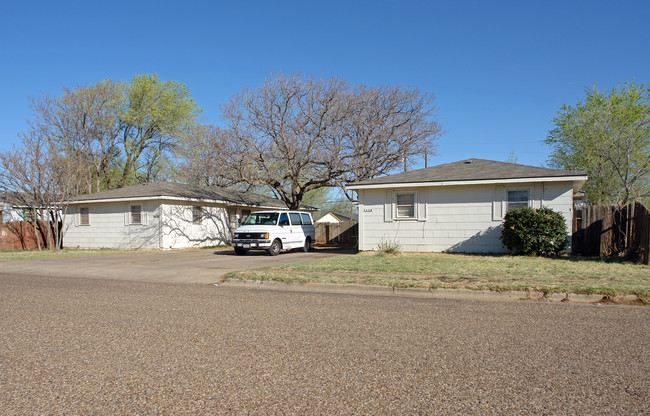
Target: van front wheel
x: 274, y: 250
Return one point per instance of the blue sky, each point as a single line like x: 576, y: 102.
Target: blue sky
x: 500, y: 69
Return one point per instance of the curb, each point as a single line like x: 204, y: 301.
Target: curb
x: 437, y: 293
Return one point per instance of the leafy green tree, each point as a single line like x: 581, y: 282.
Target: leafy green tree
x: 608, y: 136
x: 155, y: 116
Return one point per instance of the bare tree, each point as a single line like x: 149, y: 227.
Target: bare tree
x: 294, y: 134
x: 25, y: 172
x: 44, y: 177
x: 199, y: 165
x: 84, y: 125
x: 383, y: 128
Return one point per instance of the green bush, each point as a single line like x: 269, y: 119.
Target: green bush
x: 540, y: 232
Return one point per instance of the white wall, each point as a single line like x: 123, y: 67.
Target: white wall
x: 451, y: 218
x: 10, y: 214
x: 178, y: 230
x: 109, y: 226
x: 164, y: 225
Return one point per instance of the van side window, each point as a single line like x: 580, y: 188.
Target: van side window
x: 306, y: 220
x: 295, y: 218
x: 284, y: 219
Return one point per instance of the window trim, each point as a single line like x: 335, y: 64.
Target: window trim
x: 414, y: 206
x: 506, y: 198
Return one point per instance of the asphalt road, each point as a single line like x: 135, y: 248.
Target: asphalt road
x: 93, y: 346
x: 181, y: 266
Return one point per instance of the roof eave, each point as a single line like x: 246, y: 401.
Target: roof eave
x: 167, y: 198
x: 576, y: 179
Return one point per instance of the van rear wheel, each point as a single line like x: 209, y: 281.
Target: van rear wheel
x: 274, y: 250
x: 307, y: 246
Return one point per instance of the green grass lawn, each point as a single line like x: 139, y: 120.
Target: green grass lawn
x: 477, y: 272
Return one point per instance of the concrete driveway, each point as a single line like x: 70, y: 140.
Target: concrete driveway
x: 181, y: 266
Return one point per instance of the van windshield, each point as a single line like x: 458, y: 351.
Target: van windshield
x: 262, y: 218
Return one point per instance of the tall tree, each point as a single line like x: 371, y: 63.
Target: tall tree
x: 295, y: 134
x: 608, y: 136
x: 122, y: 132
x: 155, y: 117
x: 84, y: 125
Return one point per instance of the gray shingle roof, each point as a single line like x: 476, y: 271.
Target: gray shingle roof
x: 469, y: 170
x: 182, y: 191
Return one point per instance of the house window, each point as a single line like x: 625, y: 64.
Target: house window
x: 197, y: 215
x: 517, y: 199
x: 136, y: 214
x: 232, y: 218
x: 405, y: 206
x: 84, y: 216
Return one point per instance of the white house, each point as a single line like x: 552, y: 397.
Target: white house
x: 459, y: 206
x: 159, y: 215
x: 13, y: 207
x: 10, y: 213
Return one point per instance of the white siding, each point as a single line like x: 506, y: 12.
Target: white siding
x: 458, y: 218
x: 179, y: 231
x: 108, y: 228
x: 164, y: 225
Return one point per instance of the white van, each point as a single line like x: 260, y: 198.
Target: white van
x: 274, y: 231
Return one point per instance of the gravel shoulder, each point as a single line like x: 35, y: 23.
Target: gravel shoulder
x: 93, y: 346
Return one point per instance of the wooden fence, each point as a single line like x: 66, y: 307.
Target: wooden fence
x: 20, y: 235
x: 612, y: 231
x: 342, y: 234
